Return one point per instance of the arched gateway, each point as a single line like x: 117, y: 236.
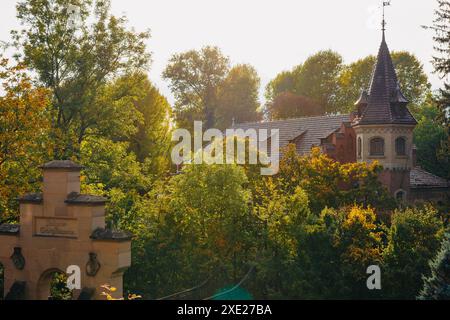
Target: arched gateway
x: 60, y: 228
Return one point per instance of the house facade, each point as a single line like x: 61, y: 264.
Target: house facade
x: 380, y: 129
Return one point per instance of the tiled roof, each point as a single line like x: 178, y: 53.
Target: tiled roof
x: 312, y: 129
x: 420, y: 178
x: 62, y: 164
x: 385, y: 94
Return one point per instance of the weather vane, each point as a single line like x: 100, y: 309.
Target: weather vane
x: 385, y: 4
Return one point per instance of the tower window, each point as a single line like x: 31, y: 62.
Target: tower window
x: 377, y: 147
x: 359, y: 147
x: 400, y: 146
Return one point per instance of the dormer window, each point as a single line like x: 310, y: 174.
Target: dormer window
x: 377, y: 147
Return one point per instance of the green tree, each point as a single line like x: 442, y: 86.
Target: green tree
x: 336, y: 87
x: 318, y: 79
x: 437, y: 285
x: 411, y: 75
x: 194, y: 79
x: 196, y: 225
x: 334, y: 252
x: 77, y: 61
x: 441, y: 62
x: 280, y: 217
x: 428, y: 136
x: 413, y: 239
x: 315, y: 79
x: 283, y: 82
x: 152, y: 140
x: 354, y: 78
x: 238, y: 97
x: 112, y: 171
x: 289, y: 105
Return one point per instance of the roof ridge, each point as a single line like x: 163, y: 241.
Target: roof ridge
x: 293, y: 119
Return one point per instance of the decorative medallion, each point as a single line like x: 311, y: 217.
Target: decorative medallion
x: 93, y: 265
x: 18, y: 259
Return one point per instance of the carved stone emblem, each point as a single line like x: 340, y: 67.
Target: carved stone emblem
x: 93, y: 265
x: 18, y: 259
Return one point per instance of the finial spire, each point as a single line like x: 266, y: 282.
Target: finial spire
x: 383, y: 23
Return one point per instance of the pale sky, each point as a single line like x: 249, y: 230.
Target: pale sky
x: 272, y: 35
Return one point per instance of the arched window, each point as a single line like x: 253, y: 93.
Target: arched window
x: 400, y: 146
x: 377, y: 147
x: 400, y: 195
x: 359, y: 147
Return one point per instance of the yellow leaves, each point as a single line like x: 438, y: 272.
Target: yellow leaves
x: 360, y: 235
x: 363, y: 216
x: 109, y: 290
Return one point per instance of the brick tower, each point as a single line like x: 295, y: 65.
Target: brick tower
x: 384, y: 126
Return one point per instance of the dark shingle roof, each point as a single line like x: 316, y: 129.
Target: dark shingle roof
x: 76, y: 198
x: 420, y: 178
x: 62, y: 164
x: 385, y: 94
x: 311, y: 129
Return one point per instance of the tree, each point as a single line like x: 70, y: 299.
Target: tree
x: 194, y: 78
x: 151, y: 141
x: 334, y: 252
x: 315, y: 79
x: 441, y: 27
x: 112, y: 171
x: 354, y: 78
x: 238, y: 97
x: 23, y: 135
x: 338, y: 87
x: 412, y: 77
x: 281, y: 217
x: 289, y: 105
x: 76, y: 62
x: 437, y: 285
x: 283, y: 82
x: 441, y: 62
x: 413, y: 239
x: 329, y: 183
x: 428, y: 136
x: 193, y: 226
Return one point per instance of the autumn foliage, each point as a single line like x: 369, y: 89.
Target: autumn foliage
x: 24, y: 128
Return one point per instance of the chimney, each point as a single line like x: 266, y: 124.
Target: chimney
x: 61, y: 178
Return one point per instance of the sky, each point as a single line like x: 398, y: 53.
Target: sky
x: 271, y: 35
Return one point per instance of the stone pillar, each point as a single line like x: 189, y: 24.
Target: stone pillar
x: 60, y: 228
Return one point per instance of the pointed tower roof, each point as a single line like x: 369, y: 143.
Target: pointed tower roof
x: 386, y: 103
